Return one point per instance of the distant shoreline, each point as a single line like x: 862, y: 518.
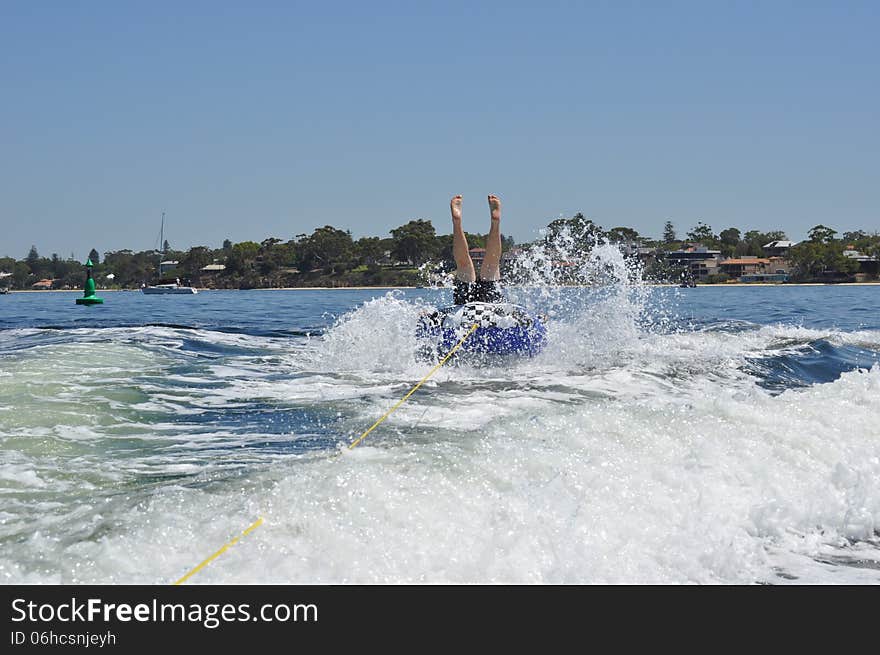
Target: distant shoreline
x: 207, y: 290
x: 788, y: 284
x: 702, y: 286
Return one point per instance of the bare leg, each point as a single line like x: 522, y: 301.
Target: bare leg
x: 464, y: 265
x: 491, y: 269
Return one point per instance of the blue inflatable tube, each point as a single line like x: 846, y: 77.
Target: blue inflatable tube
x: 504, y: 329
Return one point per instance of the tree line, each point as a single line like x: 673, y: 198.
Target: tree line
x: 327, y: 257
x: 820, y: 257
x: 332, y: 257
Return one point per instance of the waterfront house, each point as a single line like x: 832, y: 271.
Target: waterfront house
x: 695, y: 259
x: 778, y: 248
x: 43, y: 285
x: 166, y: 266
x: 208, y: 274
x: 749, y: 265
x: 868, y: 266
x: 757, y: 269
x: 477, y: 256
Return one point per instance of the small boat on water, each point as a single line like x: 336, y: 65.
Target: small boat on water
x: 168, y: 286
x: 3, y: 290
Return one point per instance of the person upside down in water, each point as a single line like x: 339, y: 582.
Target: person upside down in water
x: 480, y: 299
x: 469, y: 288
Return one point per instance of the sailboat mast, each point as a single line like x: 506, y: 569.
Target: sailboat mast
x: 162, y: 235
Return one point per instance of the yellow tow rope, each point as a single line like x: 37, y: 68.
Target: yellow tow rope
x: 354, y: 443
x: 415, y: 388
x: 256, y: 524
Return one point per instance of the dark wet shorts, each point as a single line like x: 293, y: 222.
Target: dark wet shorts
x: 479, y: 291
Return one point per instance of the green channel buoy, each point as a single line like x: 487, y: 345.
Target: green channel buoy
x: 89, y: 297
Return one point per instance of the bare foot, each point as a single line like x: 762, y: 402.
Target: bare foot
x: 495, y: 207
x: 455, y: 207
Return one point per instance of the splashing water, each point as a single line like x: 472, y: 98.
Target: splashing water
x: 597, y: 301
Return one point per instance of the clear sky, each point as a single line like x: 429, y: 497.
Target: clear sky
x: 247, y: 120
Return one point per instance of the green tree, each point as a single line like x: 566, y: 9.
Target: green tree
x: 730, y: 236
x: 702, y: 233
x: 669, y: 233
x: 40, y: 267
x: 729, y: 239
x: 242, y: 257
x: 821, y: 234
x: 414, y: 242
x: 854, y: 236
x: 33, y: 257
x: 275, y: 254
x: 869, y: 244
x: 194, y: 260
x: 22, y: 276
x: 821, y: 257
x: 67, y: 273
x: 368, y: 250
x: 623, y: 235
x: 131, y: 269
x: 753, y: 242
x: 443, y: 248
x: 94, y: 256
x: 326, y: 248
x: 475, y: 239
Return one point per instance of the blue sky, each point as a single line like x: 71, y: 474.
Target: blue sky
x: 250, y: 120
